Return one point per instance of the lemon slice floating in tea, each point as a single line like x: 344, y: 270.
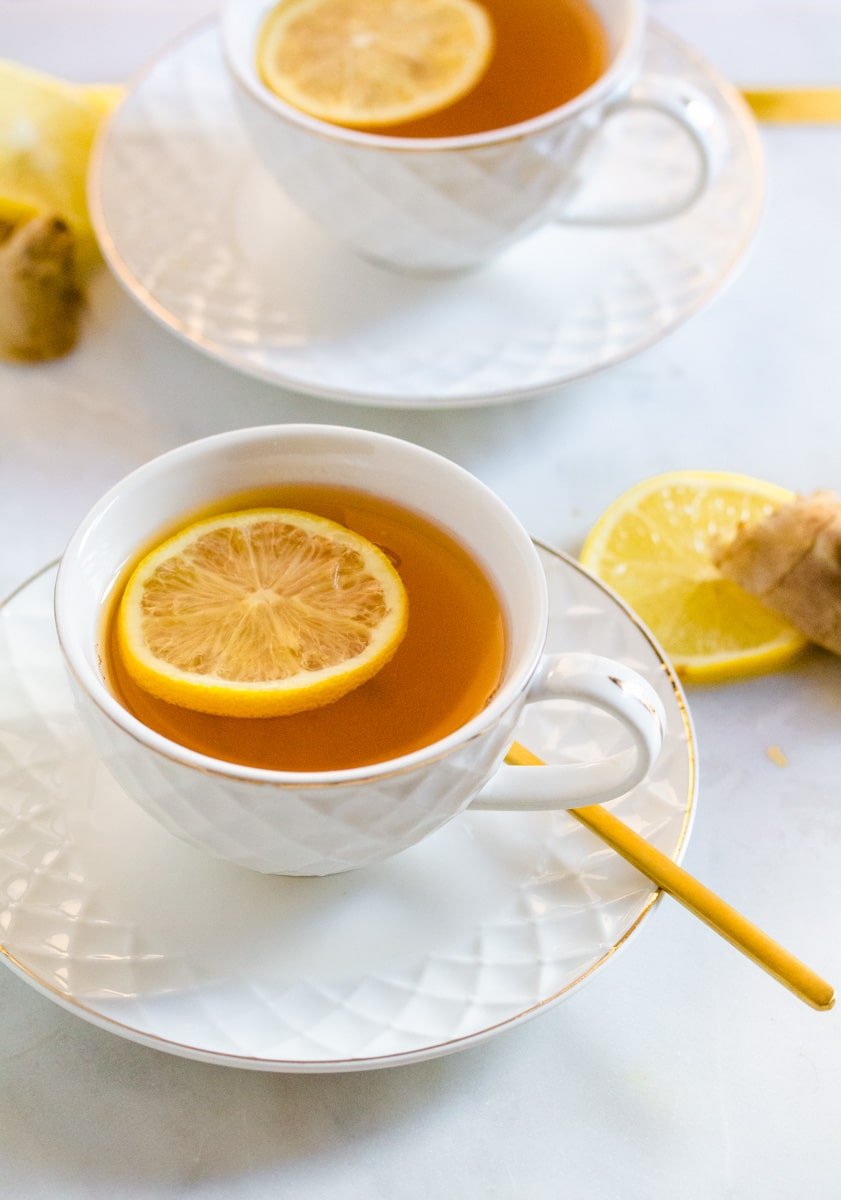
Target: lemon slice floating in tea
x: 653, y: 546
x: 374, y: 62
x: 260, y: 613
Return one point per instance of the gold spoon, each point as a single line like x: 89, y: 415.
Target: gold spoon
x: 692, y: 894
x: 813, y: 106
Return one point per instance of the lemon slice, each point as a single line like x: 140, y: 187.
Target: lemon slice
x: 260, y: 613
x: 374, y: 62
x: 47, y: 129
x: 653, y: 545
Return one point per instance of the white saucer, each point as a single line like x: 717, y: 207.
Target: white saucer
x: 490, y: 921
x: 206, y: 241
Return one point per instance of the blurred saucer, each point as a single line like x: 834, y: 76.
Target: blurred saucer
x: 205, y: 240
x: 488, y: 922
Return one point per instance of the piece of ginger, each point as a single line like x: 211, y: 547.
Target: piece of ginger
x: 791, y: 561
x: 40, y: 298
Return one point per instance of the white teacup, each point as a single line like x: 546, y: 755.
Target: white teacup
x: 298, y: 823
x: 447, y: 204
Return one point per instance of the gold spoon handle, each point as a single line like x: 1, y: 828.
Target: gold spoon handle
x: 813, y: 106
x: 692, y: 894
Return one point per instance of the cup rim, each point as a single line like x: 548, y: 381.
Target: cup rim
x: 93, y: 685
x: 627, y: 54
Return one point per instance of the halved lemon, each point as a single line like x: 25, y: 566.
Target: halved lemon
x: 47, y: 129
x: 653, y: 547
x: 374, y: 62
x: 260, y: 613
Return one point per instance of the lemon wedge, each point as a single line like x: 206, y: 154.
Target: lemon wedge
x: 47, y: 129
x: 374, y: 62
x: 260, y: 613
x: 653, y: 547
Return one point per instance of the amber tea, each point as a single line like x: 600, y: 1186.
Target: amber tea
x: 430, y: 68
x: 546, y: 52
x: 444, y: 672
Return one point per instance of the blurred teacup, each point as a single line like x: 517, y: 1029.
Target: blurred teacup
x: 445, y: 204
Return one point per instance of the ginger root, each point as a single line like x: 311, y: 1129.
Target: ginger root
x: 791, y: 561
x: 40, y: 298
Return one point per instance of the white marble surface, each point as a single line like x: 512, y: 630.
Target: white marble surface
x: 681, y: 1073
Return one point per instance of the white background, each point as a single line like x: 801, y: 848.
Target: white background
x: 681, y: 1072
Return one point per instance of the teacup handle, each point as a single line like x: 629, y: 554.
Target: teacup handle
x: 689, y: 109
x: 606, y: 685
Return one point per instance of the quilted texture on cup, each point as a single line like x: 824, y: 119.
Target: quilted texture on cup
x: 287, y: 830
